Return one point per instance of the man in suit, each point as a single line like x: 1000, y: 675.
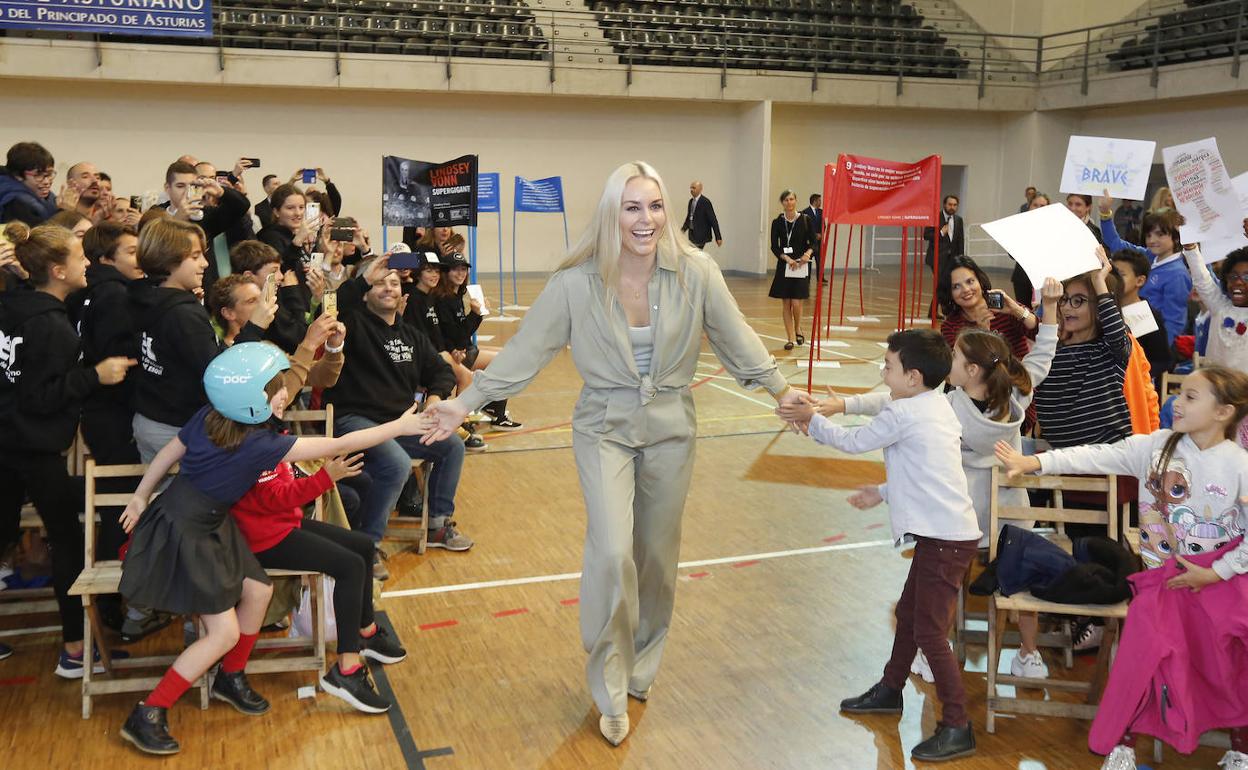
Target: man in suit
x: 952, y: 235
x: 264, y: 210
x: 815, y: 212
x: 700, y: 219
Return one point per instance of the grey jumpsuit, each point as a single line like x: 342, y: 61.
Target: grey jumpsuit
x: 633, y: 439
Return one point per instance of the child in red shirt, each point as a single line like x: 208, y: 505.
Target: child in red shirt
x: 270, y: 517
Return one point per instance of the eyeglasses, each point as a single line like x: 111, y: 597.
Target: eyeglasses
x: 1075, y: 302
x: 42, y: 176
x: 1240, y: 277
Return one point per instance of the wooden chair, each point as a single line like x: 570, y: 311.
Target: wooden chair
x: 1111, y: 517
x: 1172, y: 383
x: 103, y: 577
x: 414, y: 530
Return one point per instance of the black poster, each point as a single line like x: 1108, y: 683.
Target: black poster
x: 415, y: 193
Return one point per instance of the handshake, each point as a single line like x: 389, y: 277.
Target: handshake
x: 797, y: 408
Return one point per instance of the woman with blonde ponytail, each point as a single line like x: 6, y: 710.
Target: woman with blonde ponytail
x: 634, y: 299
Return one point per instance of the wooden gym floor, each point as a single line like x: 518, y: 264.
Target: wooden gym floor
x: 784, y: 608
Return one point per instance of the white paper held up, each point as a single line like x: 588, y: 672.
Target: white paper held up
x: 476, y: 292
x: 1095, y: 164
x: 1215, y: 250
x: 1048, y: 242
x: 1202, y: 191
x: 1139, y: 318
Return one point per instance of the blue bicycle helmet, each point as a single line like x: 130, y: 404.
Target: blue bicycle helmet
x: 235, y: 380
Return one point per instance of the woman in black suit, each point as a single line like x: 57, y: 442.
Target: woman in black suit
x: 793, y: 244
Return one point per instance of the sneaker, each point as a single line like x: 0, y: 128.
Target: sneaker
x: 475, y: 443
x: 1031, y: 666
x: 504, y: 422
x: 380, y: 572
x: 70, y: 666
x: 382, y: 647
x: 880, y: 699
x: 614, y: 729
x: 921, y: 667
x: 282, y: 624
x: 1234, y: 760
x: 449, y: 538
x: 356, y: 689
x: 947, y: 743
x: 141, y: 623
x: 1088, y: 637
x: 234, y: 689
x: 5, y: 651
x: 147, y: 728
x: 1121, y: 758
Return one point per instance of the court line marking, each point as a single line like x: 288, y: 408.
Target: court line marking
x: 413, y: 756
x: 739, y: 394
x: 433, y: 590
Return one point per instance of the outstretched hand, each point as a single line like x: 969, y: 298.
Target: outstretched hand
x: 866, y: 497
x: 1016, y: 463
x: 443, y: 418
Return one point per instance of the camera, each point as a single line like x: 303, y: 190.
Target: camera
x: 995, y: 300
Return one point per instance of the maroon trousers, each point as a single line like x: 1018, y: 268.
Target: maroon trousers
x: 924, y: 616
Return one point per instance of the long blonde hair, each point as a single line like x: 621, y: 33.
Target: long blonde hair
x: 600, y: 242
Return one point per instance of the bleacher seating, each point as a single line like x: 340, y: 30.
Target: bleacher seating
x: 1203, y: 30
x: 877, y: 37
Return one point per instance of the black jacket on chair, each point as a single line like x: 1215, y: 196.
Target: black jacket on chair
x: 701, y: 222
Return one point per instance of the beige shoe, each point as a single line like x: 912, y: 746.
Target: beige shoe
x: 614, y: 729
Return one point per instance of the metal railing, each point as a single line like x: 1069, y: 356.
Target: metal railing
x: 786, y: 37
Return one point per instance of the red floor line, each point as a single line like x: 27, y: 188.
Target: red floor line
x: 17, y: 680
x: 835, y: 538
x: 876, y: 525
x: 509, y: 613
x: 746, y: 563
x: 569, y: 602
x: 699, y: 575
x: 439, y: 624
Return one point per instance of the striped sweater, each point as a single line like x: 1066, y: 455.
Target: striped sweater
x: 1082, y: 401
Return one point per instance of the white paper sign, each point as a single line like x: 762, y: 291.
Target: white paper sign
x: 1048, y: 242
x: 1215, y: 250
x: 1139, y: 319
x: 1202, y: 191
x: 1095, y: 164
x: 801, y: 271
x: 476, y: 292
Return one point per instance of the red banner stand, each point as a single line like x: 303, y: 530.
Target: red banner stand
x: 870, y: 191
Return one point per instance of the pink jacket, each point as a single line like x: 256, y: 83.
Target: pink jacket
x: 1182, y: 664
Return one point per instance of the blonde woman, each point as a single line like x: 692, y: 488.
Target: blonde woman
x: 1163, y: 200
x: 633, y: 298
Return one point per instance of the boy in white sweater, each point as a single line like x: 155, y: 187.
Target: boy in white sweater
x: 929, y: 504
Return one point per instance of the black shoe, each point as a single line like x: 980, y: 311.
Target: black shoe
x: 788, y: 346
x: 801, y: 340
x: 382, y: 647
x: 356, y: 689
x: 234, y: 690
x: 880, y: 699
x: 947, y: 743
x: 149, y: 622
x: 5, y: 651
x: 148, y: 729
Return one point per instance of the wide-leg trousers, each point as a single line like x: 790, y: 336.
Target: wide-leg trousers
x: 635, y: 463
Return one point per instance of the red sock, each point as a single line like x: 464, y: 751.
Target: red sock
x: 370, y: 634
x: 350, y: 671
x: 236, y: 659
x: 171, y: 687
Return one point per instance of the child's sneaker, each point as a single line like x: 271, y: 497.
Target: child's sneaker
x: 1121, y: 758
x: 1234, y: 760
x: 5, y: 651
x: 1088, y: 638
x: 355, y: 688
x: 70, y: 666
x: 1031, y: 666
x: 382, y: 647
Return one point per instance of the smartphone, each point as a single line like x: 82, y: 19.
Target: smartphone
x: 312, y: 213
x: 309, y: 175
x: 329, y: 303
x: 317, y: 262
x: 995, y: 300
x: 343, y: 234
x: 136, y: 202
x: 405, y: 261
x: 270, y: 284
x: 255, y: 162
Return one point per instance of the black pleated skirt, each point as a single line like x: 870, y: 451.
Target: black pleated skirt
x: 187, y: 556
x: 789, y: 288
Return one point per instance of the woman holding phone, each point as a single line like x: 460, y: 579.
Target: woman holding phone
x: 968, y: 301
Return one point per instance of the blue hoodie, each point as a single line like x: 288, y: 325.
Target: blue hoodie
x: 18, y: 202
x: 1168, y: 287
